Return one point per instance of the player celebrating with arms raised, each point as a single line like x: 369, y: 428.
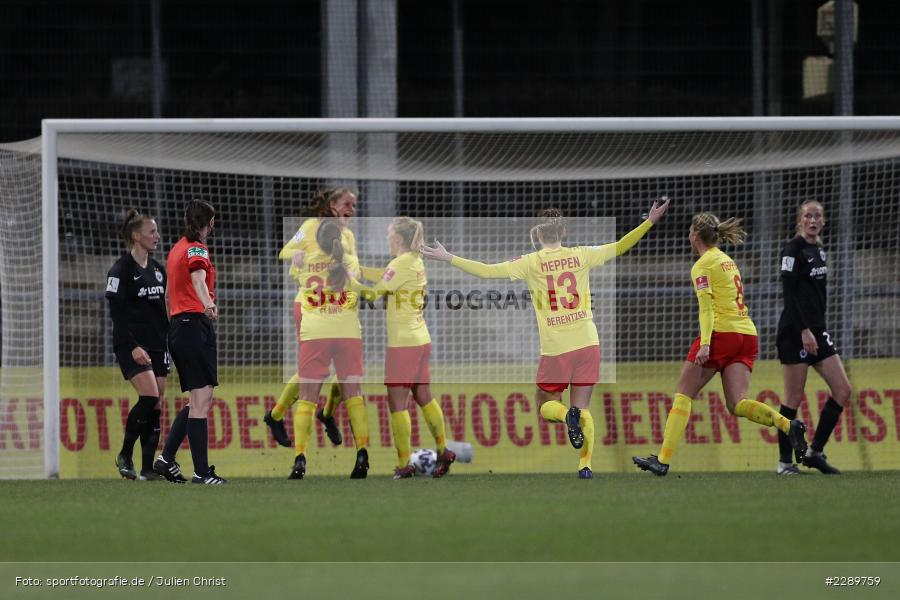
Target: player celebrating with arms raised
x: 727, y: 343
x: 803, y: 339
x: 559, y: 280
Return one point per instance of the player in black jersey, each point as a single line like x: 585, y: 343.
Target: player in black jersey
x: 136, y: 291
x: 804, y: 340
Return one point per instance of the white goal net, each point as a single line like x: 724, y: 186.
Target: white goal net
x: 477, y: 185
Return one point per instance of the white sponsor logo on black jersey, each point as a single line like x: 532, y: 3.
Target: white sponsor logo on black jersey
x: 152, y: 292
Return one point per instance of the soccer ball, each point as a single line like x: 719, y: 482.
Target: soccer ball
x: 423, y: 461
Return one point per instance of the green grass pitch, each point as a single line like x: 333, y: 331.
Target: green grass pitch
x: 621, y: 517
x: 516, y: 536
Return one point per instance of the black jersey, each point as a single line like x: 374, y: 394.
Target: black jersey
x: 137, y: 304
x: 804, y: 275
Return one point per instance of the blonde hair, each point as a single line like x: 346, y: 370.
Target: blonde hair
x: 550, y: 229
x: 412, y: 232
x: 713, y: 232
x: 134, y: 220
x: 804, y: 204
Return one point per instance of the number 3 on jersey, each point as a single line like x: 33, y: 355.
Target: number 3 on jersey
x: 567, y: 280
x: 317, y: 298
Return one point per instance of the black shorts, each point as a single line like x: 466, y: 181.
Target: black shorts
x: 790, y: 346
x: 159, y: 362
x: 192, y: 344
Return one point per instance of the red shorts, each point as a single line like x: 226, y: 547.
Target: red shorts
x: 579, y: 367
x: 316, y: 357
x: 407, y: 366
x: 726, y: 349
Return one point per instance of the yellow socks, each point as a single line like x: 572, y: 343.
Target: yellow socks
x: 554, y: 411
x: 288, y: 396
x: 587, y: 426
x: 434, y: 417
x: 334, y: 398
x: 303, y: 425
x: 359, y: 421
x: 401, y: 426
x: 676, y: 423
x: 762, y: 414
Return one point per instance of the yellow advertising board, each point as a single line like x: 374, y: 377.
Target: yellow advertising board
x: 501, y: 422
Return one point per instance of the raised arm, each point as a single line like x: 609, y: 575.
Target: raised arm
x: 298, y: 242
x: 597, y: 255
x: 289, y: 250
x: 631, y: 238
x: 473, y: 267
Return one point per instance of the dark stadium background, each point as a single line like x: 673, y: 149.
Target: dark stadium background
x: 522, y: 58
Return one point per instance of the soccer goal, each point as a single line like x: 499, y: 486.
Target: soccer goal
x: 476, y: 184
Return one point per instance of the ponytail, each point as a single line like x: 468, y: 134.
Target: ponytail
x: 134, y: 219
x: 412, y: 232
x: 328, y: 237
x: 713, y: 232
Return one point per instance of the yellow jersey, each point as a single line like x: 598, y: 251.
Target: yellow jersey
x: 305, y: 240
x: 327, y: 313
x: 720, y: 293
x: 403, y: 281
x: 559, y: 282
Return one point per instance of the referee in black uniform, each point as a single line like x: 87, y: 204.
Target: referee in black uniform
x: 135, y: 289
x: 803, y: 339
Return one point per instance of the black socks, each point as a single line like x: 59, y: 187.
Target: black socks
x: 785, y: 451
x: 176, y: 434
x: 198, y: 436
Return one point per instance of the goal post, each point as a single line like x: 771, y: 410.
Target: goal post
x: 500, y: 169
x: 50, y: 296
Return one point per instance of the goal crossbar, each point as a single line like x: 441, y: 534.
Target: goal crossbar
x: 49, y: 147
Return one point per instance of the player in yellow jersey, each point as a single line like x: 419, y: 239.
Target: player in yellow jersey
x: 329, y: 333
x: 727, y: 343
x: 409, y: 345
x: 559, y: 280
x: 337, y: 202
